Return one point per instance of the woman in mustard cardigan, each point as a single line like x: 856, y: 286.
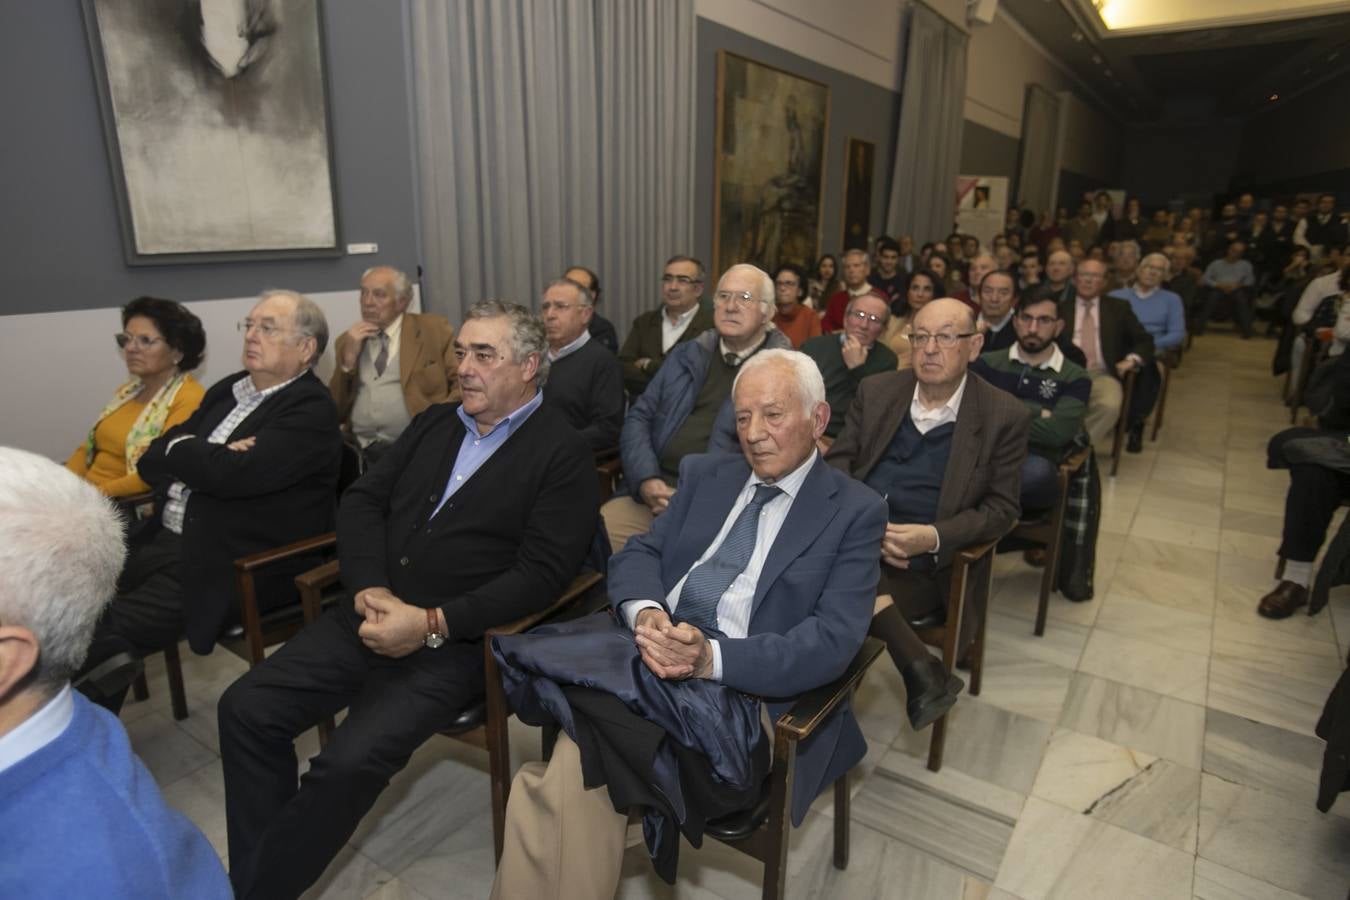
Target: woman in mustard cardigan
x: 161, y: 342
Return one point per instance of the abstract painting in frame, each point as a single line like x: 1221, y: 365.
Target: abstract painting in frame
x: 859, y: 163
x: 217, y: 126
x: 770, y: 165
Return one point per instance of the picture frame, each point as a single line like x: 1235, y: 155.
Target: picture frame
x: 219, y: 135
x: 859, y: 178
x: 769, y: 165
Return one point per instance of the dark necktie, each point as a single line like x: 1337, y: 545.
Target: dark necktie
x: 732, y: 360
x: 709, y: 580
x: 382, y: 359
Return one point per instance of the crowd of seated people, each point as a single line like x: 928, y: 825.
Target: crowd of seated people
x: 914, y: 402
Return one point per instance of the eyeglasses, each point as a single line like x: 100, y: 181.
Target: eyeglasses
x: 738, y: 299
x: 142, y: 341
x: 681, y: 280
x: 945, y: 340
x: 788, y: 282
x: 866, y: 316
x: 553, y: 304
x: 1038, y: 321
x: 266, y: 330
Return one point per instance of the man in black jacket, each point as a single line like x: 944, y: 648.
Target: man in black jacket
x: 478, y: 515
x: 585, y: 381
x: 255, y: 467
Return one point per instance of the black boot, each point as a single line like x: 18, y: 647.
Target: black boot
x: 931, y: 691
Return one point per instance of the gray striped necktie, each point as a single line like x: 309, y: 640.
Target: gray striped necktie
x: 709, y: 580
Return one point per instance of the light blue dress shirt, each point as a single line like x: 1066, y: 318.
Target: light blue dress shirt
x: 477, y: 449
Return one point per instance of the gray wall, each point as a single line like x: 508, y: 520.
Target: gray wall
x: 858, y: 109
x: 1306, y: 136
x: 985, y: 151
x: 62, y: 248
x: 1166, y: 162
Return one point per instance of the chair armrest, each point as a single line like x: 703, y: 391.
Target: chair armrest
x: 1075, y: 461
x: 607, y: 455
x: 311, y: 584
x: 255, y: 561
x: 972, y: 554
x: 814, y: 706
x: 579, y: 586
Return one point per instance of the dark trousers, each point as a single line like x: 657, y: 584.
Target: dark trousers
x: 1241, y: 301
x: 918, y: 594
x: 1040, y: 483
x: 1315, y: 493
x: 282, y: 836
x: 1147, y: 386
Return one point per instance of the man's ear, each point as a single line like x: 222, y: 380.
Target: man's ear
x: 18, y: 656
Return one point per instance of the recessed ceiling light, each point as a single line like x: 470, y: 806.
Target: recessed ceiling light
x: 1273, y: 97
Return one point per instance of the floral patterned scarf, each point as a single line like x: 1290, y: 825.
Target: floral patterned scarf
x: 148, y: 424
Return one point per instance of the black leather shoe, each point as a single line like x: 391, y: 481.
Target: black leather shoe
x: 1283, y: 601
x: 931, y: 691
x: 1135, y: 442
x: 934, y: 618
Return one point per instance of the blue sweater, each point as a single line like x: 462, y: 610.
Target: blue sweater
x: 81, y: 817
x: 1161, y: 313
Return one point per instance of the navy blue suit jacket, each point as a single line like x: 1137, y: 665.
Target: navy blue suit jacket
x: 812, y: 604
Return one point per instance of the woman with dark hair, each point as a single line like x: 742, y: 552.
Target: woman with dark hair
x: 161, y: 342
x: 940, y: 264
x: 923, y: 287
x: 824, y: 282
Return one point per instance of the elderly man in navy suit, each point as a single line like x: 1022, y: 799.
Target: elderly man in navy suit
x: 758, y: 581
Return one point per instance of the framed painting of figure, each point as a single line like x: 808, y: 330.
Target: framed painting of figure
x: 216, y: 120
x: 860, y: 161
x: 770, y: 164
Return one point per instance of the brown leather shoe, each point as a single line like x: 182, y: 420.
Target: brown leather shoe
x: 1283, y: 601
x: 1034, y: 556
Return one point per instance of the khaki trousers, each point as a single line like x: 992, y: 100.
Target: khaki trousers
x: 1103, y: 408
x: 625, y: 517
x: 563, y: 842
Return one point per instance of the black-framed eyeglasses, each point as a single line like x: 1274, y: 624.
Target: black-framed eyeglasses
x: 1038, y: 321
x: 142, y: 341
x: 681, y: 280
x: 738, y: 299
x: 945, y: 340
x: 867, y: 316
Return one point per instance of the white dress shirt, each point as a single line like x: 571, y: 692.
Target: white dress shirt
x: 671, y: 331
x: 925, y: 419
x: 38, y: 730
x: 733, y: 610
x: 573, y: 347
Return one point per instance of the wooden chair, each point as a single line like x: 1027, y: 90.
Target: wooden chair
x: 608, y: 469
x: 762, y: 831
x: 1049, y: 531
x: 1317, y: 348
x: 965, y: 586
x: 1167, y: 360
x: 482, y: 724
x: 1123, y: 423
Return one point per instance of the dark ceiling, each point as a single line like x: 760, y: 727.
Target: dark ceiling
x: 1225, y: 72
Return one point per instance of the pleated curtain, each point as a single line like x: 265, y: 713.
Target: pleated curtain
x: 552, y: 133
x: 1040, y: 138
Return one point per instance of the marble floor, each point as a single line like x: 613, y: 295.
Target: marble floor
x: 1156, y: 743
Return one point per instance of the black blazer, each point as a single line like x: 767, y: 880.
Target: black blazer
x: 506, y: 544
x: 282, y: 490
x: 1120, y: 330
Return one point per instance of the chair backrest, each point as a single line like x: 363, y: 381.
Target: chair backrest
x: 350, y: 468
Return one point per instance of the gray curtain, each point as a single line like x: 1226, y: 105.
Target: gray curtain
x: 1040, y: 137
x: 552, y: 133
x: 928, y: 140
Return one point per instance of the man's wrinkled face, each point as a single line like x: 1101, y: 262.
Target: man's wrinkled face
x: 997, y: 295
x: 1090, y: 279
x: 1151, y: 271
x: 565, y: 316
x: 949, y: 322
x: 681, y: 286
x: 855, y: 270
x: 736, y: 317
x: 865, y: 319
x: 776, y: 431
x: 490, y: 378
x: 787, y: 289
x: 1059, y: 266
x: 980, y: 266
x: 380, y: 303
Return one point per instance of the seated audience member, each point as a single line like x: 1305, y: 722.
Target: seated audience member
x: 480, y: 514
x: 1054, y: 389
x: 681, y: 317
x: 945, y: 451
x: 585, y: 381
x: 980, y: 265
x: 970, y: 246
x: 1076, y: 250
x: 1319, y: 482
x: 1159, y: 310
x: 1106, y: 221
x: 998, y: 294
x: 757, y: 582
x: 909, y: 260
x: 80, y: 815
x: 1044, y: 232
x: 1113, y: 342
x: 1260, y: 242
x: 391, y: 364
x: 824, y: 282
x: 1186, y: 234
x: 687, y: 408
x: 797, y: 323
x: 887, y: 277
x: 1131, y: 225
x: 1321, y: 303
x: 856, y: 269
x: 1007, y: 258
x: 1029, y: 271
x: 1124, y: 262
x: 1322, y: 229
x: 1279, y: 241
x: 940, y: 264
x: 1058, y: 281
x: 1246, y: 209
x: 1229, y: 276
x: 255, y: 467
x: 600, y: 328
x: 161, y: 342
x: 922, y: 288
x: 846, y: 359
x: 1159, y: 231
x: 1222, y: 232
x: 1081, y: 229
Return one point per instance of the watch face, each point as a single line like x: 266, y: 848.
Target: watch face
x: 434, y: 640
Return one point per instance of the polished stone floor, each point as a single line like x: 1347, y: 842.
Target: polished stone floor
x: 1156, y: 743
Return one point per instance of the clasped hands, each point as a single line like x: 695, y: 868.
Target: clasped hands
x: 391, y: 628
x: 901, y: 542
x: 673, y: 652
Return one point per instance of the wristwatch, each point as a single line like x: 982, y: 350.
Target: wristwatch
x: 434, y: 636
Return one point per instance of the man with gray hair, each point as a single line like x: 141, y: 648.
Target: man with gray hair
x: 758, y: 581
x: 855, y: 267
x: 585, y: 380
x: 255, y: 467
x: 479, y: 514
x: 79, y: 813
x: 391, y: 364
x: 687, y: 407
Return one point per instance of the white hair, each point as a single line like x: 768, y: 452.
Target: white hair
x: 61, y: 551
x: 766, y: 289
x: 810, y: 384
